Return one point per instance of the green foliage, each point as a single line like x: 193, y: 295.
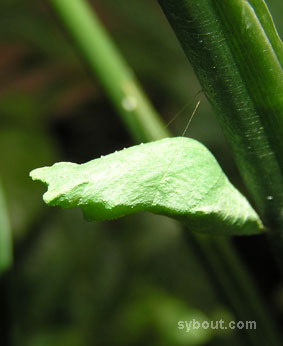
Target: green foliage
x: 29, y: 146
x: 73, y: 280
x: 237, y: 56
x: 177, y: 177
x: 148, y: 305
x: 115, y: 75
x: 5, y: 236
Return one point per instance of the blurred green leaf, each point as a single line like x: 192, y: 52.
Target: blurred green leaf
x: 5, y: 236
x: 57, y: 337
x: 26, y: 149
x: 152, y: 311
x: 177, y: 177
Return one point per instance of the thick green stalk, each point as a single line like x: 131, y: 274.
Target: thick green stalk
x: 114, y: 74
x: 98, y: 51
x: 237, y: 56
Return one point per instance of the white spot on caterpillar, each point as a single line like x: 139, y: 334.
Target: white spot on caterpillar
x: 270, y: 198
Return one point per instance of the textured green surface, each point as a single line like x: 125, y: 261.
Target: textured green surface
x: 237, y: 56
x: 177, y: 177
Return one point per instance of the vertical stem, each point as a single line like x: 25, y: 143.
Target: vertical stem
x: 237, y: 56
x: 106, y: 63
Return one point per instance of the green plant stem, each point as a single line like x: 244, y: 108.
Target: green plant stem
x: 114, y: 74
x: 100, y: 54
x: 237, y: 56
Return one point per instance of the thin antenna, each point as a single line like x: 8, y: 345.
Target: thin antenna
x: 191, y: 118
x: 182, y: 109
x: 177, y: 114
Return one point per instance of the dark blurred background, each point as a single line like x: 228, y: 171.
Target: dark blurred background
x: 124, y: 282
